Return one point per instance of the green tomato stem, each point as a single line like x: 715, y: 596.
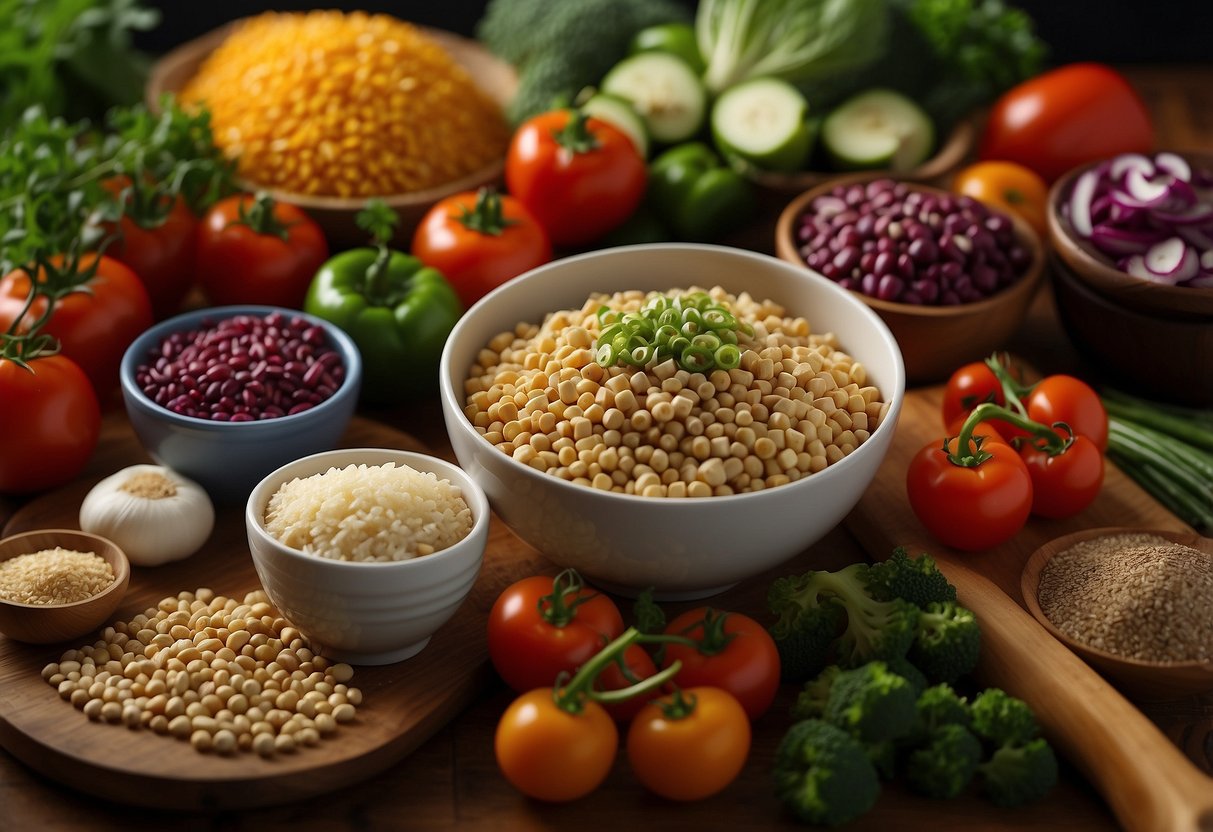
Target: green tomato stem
x: 1012, y: 390
x: 487, y: 216
x: 560, y: 606
x: 572, y: 695
x: 969, y: 453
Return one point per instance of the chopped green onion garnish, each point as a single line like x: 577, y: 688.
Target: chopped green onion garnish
x: 693, y: 329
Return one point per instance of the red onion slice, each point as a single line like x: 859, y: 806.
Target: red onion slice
x: 1148, y: 192
x: 1172, y: 261
x: 1126, y: 162
x: 1080, y: 202
x: 1175, y: 165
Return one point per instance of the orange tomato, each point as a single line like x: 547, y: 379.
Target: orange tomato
x: 1009, y: 187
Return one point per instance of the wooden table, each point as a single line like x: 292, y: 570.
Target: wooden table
x: 452, y: 780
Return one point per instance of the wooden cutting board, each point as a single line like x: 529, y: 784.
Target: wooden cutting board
x: 404, y: 704
x: 1146, y: 779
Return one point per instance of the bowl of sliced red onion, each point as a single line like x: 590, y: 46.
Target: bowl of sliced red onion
x: 228, y: 394
x: 1138, y: 229
x: 951, y: 277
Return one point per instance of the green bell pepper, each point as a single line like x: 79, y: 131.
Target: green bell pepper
x: 696, y: 194
x: 397, y: 310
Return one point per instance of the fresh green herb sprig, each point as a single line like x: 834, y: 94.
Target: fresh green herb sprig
x: 72, y: 57
x: 700, y: 334
x: 64, y: 185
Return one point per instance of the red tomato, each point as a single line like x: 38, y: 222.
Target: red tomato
x: 969, y: 386
x: 479, y: 240
x: 579, y: 176
x: 1067, y: 117
x: 1067, y: 483
x: 550, y: 754
x: 94, y: 327
x: 270, y: 259
x: 528, y: 650
x: 689, y: 756
x: 161, y: 255
x: 49, y: 423
x: 970, y: 508
x: 1066, y: 399
x: 746, y: 664
x: 639, y: 666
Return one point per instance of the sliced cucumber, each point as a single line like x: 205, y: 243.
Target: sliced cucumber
x: 763, y: 122
x: 619, y: 112
x: 665, y: 91
x: 878, y: 129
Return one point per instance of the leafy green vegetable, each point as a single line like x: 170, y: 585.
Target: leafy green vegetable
x: 71, y: 57
x: 823, y: 775
x: 950, y: 56
x: 797, y: 40
x: 53, y: 196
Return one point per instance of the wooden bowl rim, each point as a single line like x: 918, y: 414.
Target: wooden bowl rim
x: 454, y: 44
x: 105, y: 548
x: 1027, y: 284
x: 960, y: 140
x: 1029, y: 586
x: 1091, y: 267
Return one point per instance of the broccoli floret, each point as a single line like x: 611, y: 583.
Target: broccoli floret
x: 823, y: 775
x: 811, y: 701
x: 874, y: 629
x: 1019, y: 774
x: 947, y: 642
x: 917, y: 580
x: 939, y: 706
x: 580, y: 39
x: 884, y: 758
x: 1003, y: 719
x: 807, y: 627
x: 910, y: 673
x: 872, y: 704
x: 946, y: 763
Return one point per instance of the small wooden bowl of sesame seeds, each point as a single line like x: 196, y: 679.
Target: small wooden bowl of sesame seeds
x: 58, y: 584
x: 1135, y: 604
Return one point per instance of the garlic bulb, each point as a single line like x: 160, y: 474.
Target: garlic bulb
x: 153, y: 513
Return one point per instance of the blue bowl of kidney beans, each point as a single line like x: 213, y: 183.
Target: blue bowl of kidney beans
x: 226, y: 395
x: 894, y: 242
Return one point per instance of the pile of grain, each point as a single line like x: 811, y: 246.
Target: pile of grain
x: 369, y: 513
x: 1136, y: 595
x: 347, y: 105
x: 54, y: 576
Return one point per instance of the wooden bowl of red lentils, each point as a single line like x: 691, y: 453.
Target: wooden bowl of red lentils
x: 59, y: 584
x: 325, y: 110
x: 1133, y: 603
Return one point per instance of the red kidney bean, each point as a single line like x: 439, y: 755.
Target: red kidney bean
x: 242, y: 369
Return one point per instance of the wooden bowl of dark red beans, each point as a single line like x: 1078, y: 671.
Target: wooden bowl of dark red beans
x: 226, y: 395
x: 950, y: 277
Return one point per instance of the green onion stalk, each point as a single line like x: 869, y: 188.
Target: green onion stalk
x: 698, y: 333
x: 1167, y: 450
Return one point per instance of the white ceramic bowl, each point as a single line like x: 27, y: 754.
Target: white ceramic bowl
x: 367, y: 613
x: 684, y: 548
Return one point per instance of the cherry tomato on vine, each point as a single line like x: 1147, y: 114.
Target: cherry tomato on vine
x: 49, y: 423
x: 970, y: 508
x: 94, y: 327
x: 736, y: 653
x: 969, y: 386
x: 551, y: 754
x: 542, y: 626
x: 253, y: 249
x: 579, y: 176
x: 1066, y: 483
x: 1008, y: 187
x: 639, y: 666
x: 1062, y: 398
x: 160, y: 251
x: 479, y: 240
x: 689, y: 745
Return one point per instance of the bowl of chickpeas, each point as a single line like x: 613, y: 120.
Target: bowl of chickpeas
x: 674, y: 416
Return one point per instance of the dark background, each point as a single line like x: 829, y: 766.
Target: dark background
x: 1120, y: 31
